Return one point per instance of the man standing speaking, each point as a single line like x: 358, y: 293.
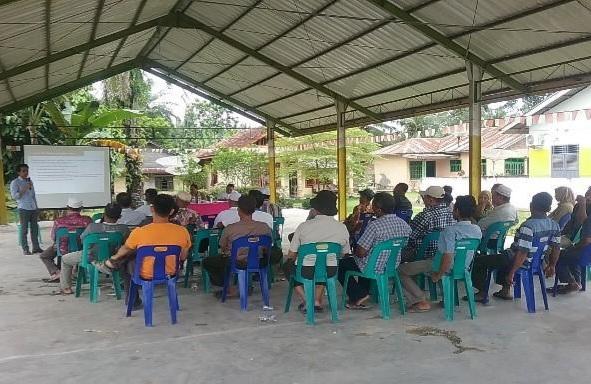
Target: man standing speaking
x: 23, y: 192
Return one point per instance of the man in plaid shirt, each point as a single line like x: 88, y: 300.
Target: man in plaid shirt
x: 435, y: 217
x: 387, y: 226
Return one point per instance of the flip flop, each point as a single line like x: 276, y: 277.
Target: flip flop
x: 355, y: 307
x: 51, y: 280
x: 302, y: 308
x: 498, y: 295
x: 418, y: 310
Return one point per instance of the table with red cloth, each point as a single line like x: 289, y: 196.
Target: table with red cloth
x: 209, y: 209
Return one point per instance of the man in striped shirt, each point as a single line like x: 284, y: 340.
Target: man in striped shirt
x: 521, y: 252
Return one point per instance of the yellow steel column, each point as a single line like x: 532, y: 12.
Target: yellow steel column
x: 341, y: 159
x: 474, y: 73
x: 3, y: 212
x: 271, y: 154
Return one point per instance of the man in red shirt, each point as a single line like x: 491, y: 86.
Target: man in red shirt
x: 72, y: 220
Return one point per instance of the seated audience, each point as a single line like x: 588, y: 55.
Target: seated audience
x: 217, y: 266
x: 322, y: 227
x: 484, y: 206
x: 448, y: 197
x: 435, y: 217
x: 128, y: 215
x: 109, y: 224
x: 230, y: 216
x: 72, y: 220
x: 159, y: 232
x: 503, y: 210
x: 566, y: 203
x: 230, y: 191
x: 184, y: 215
x: 443, y: 262
x: 581, y: 211
x: 401, y: 203
x: 271, y: 208
x: 570, y: 272
x: 149, y: 195
x: 355, y: 220
x: 194, y: 191
x: 521, y: 251
x: 386, y: 226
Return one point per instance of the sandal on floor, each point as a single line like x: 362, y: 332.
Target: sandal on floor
x: 414, y: 309
x: 302, y: 308
x: 356, y: 307
x: 499, y: 295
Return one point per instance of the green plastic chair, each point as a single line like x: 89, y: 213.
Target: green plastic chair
x: 97, y: 217
x: 393, y: 246
x: 499, y: 229
x: 74, y: 243
x: 421, y: 253
x: 459, y: 272
x: 321, y: 250
x: 104, y: 245
x: 195, y: 257
x: 278, y: 223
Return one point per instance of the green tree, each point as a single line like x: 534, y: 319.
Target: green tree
x: 245, y: 167
x: 205, y: 124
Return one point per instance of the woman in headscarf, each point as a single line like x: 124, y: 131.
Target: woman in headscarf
x: 484, y: 205
x: 566, y: 203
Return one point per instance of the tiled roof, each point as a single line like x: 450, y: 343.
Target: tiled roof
x: 243, y: 138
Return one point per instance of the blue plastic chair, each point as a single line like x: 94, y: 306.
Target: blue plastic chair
x: 104, y: 245
x: 253, y: 265
x: 404, y: 214
x: 498, y: 229
x: 160, y: 275
x: 564, y: 220
x: 459, y: 272
x: 393, y: 246
x: 74, y: 242
x: 321, y: 251
x: 526, y: 274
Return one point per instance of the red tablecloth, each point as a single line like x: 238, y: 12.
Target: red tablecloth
x: 206, y: 209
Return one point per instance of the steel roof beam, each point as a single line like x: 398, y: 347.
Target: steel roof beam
x: 47, y: 39
x: 274, y: 39
x: 447, y: 43
x: 248, y: 9
x: 272, y: 63
x: 221, y: 98
x: 136, y: 17
x: 492, y: 24
x: 7, y: 83
x: 168, y: 20
x: 97, y: 18
x: 348, y: 40
x: 69, y: 87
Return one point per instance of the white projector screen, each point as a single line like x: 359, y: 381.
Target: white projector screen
x: 59, y: 172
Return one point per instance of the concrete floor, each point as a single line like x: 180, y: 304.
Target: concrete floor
x: 55, y: 339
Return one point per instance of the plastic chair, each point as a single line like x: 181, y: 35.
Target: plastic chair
x: 404, y: 214
x: 209, y: 219
x: 321, y: 250
x: 421, y: 253
x: 526, y: 275
x: 74, y: 242
x: 97, y: 217
x: 393, y: 247
x: 278, y: 223
x: 564, y: 221
x: 584, y: 264
x: 459, y: 272
x: 195, y: 257
x: 253, y: 265
x: 160, y: 275
x: 498, y: 229
x: 104, y: 244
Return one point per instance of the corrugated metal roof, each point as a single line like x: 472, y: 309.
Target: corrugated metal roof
x: 286, y: 60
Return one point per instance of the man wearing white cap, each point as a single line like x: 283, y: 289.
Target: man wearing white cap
x: 186, y: 216
x: 435, y: 217
x: 72, y: 220
x: 502, y: 211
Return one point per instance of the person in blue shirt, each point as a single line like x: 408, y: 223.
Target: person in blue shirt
x: 23, y: 192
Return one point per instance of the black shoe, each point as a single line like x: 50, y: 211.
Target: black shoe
x: 26, y: 252
x: 38, y: 250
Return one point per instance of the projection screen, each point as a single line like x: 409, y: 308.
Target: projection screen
x: 60, y: 172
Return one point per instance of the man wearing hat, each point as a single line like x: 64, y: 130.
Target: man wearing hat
x: 186, y: 216
x: 435, y: 217
x: 521, y: 251
x: 502, y: 211
x: 72, y: 220
x: 323, y: 227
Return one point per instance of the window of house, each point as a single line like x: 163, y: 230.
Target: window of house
x: 455, y: 166
x: 416, y: 170
x: 430, y: 169
x: 565, y: 161
x: 514, y: 167
x: 164, y: 183
x: 483, y: 167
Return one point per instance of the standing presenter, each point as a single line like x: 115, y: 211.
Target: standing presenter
x: 23, y: 192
